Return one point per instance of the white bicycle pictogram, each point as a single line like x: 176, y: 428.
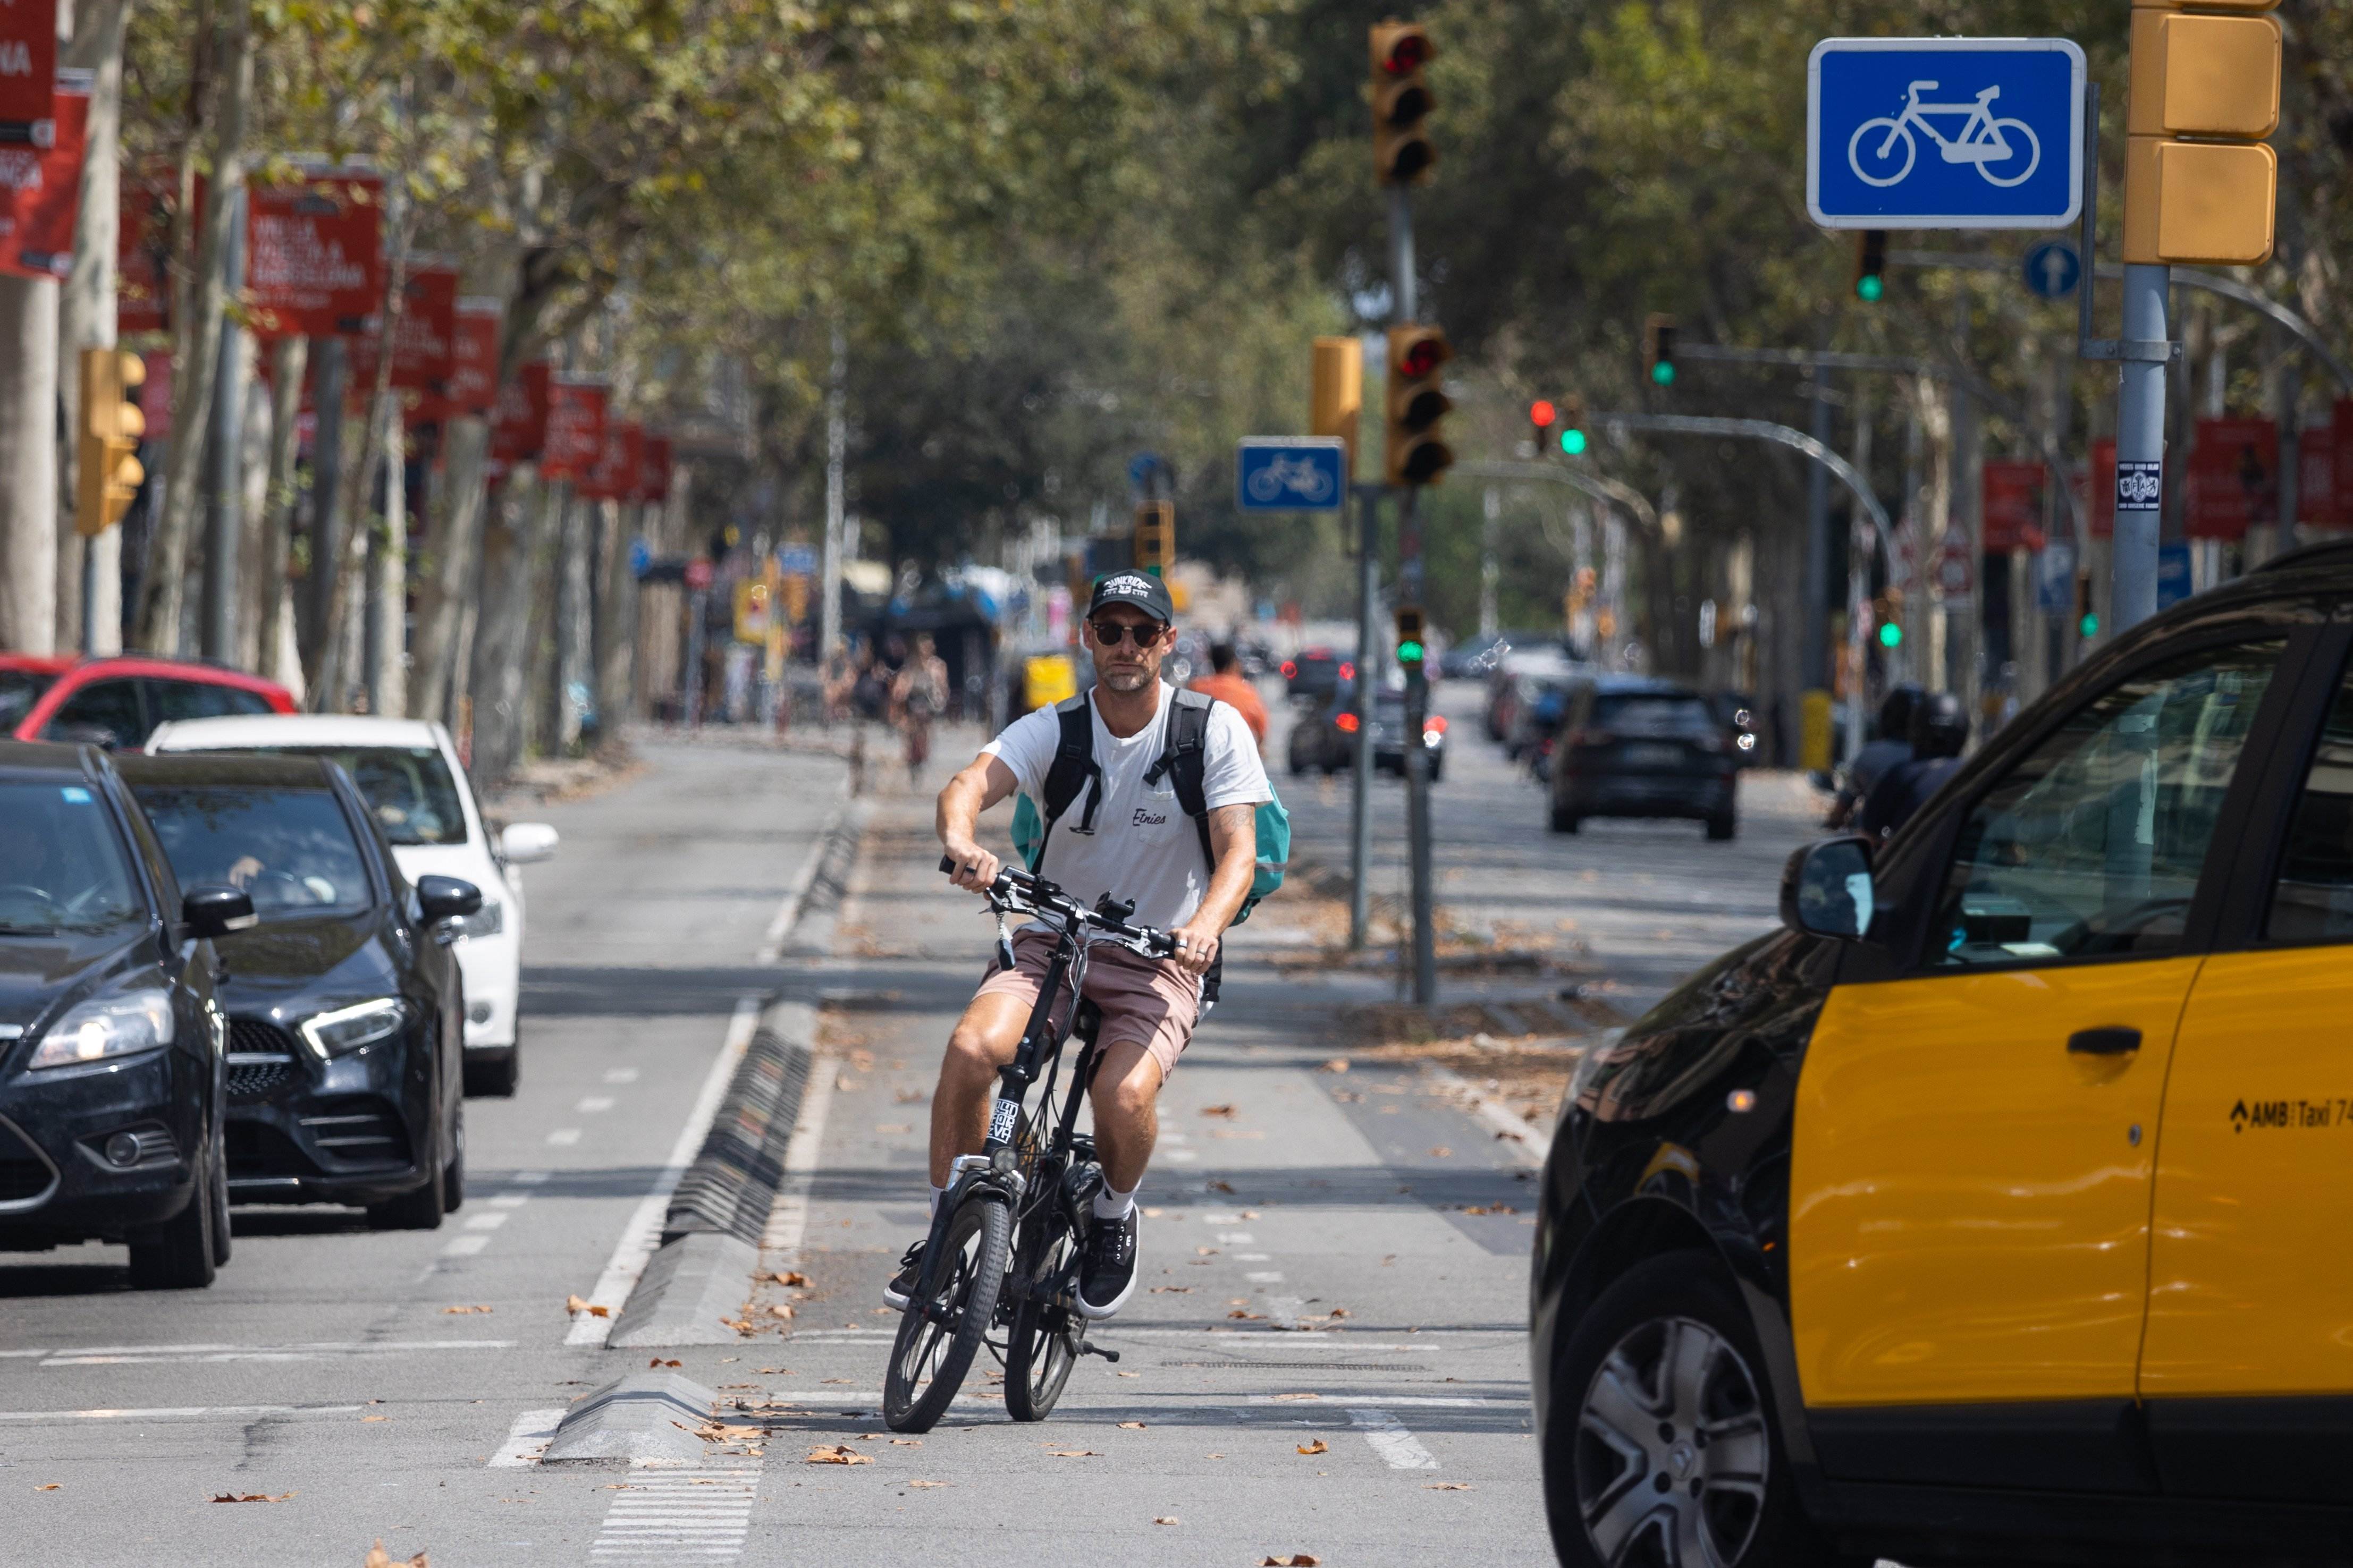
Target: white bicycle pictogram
x: 1983, y: 140
x: 1300, y: 476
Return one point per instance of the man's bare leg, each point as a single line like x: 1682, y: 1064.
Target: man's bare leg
x: 986, y: 1039
x: 1128, y: 1116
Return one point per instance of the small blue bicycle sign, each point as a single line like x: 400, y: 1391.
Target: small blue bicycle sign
x: 1280, y: 473
x: 1943, y: 132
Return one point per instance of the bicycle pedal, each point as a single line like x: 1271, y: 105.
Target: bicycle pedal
x: 1085, y: 1349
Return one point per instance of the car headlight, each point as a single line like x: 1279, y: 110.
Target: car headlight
x: 487, y: 920
x: 348, y: 1028
x: 106, y: 1026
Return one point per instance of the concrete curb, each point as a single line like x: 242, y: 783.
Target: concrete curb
x: 818, y: 908
x: 733, y: 1183
x: 689, y: 1292
x: 643, y: 1417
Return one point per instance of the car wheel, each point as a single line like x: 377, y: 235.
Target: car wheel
x: 1562, y: 820
x: 453, y: 1174
x: 495, y: 1075
x: 178, y: 1255
x: 220, y: 1193
x: 1663, y: 1445
x: 1722, y: 826
x: 419, y: 1208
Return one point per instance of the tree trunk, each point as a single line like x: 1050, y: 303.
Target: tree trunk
x: 348, y: 583
x: 29, y: 464
x: 289, y: 358
x: 447, y: 567
x: 387, y: 676
x: 616, y: 621
x: 502, y: 626
x: 163, y: 586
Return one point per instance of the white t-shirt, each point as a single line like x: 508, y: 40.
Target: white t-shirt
x: 1143, y: 847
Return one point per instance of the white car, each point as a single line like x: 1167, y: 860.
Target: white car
x: 410, y: 773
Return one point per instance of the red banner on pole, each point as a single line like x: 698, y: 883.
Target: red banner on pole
x: 576, y: 430
x: 41, y: 190
x: 615, y: 474
x: 2233, y: 477
x: 314, y: 258
x: 2013, y: 506
x: 423, y: 345
x: 473, y: 387
x: 28, y: 60
x: 519, y: 420
x: 2316, y: 478
x: 143, y: 251
x: 653, y: 471
x: 2101, y: 511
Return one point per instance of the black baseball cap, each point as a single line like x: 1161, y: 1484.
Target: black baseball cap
x: 1140, y: 589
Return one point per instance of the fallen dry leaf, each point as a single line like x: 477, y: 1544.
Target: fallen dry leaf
x: 911, y: 1096
x: 906, y: 1442
x: 375, y: 1417
x: 378, y: 1557
x: 1448, y: 1486
x: 1221, y: 1185
x: 1166, y: 1518
x: 1317, y: 1447
x: 1251, y: 1317
x: 1297, y: 1560
x: 720, y: 1432
x: 1172, y: 1290
x: 838, y: 1454
x: 1129, y: 1375
x: 658, y: 1361
x: 776, y: 1371
x: 837, y: 1380
x: 1249, y: 1214
x: 1442, y: 1152
x: 1073, y: 1454
x: 250, y: 1497
x: 1131, y: 1426
x: 575, y: 1305
x: 1225, y: 1111
x: 1213, y: 1456
x: 777, y: 1309
x: 1337, y: 1064
x: 1339, y: 1312
x: 460, y: 1311
x: 892, y: 1127
x: 48, y: 1486
x: 1206, y: 1251
x: 795, y: 1278
x: 931, y: 1483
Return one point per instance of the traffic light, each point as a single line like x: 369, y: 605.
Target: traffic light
x: 1870, y: 265
x: 2215, y: 78
x: 1336, y: 394
x: 107, y: 447
x: 2087, y: 619
x: 1891, y: 631
x: 1581, y: 589
x: 1572, y: 425
x: 1155, y: 535
x: 1541, y: 413
x: 1659, y: 349
x: 1411, y: 644
x: 1402, y: 155
x: 1416, y: 455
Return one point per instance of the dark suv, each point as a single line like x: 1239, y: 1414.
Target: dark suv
x: 1996, y: 1209
x: 1627, y: 745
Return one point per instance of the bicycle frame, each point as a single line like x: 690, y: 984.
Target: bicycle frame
x: 1960, y: 149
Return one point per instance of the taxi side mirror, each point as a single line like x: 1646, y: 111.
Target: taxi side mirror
x: 1827, y: 890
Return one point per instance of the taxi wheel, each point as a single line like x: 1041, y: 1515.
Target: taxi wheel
x: 1663, y: 1448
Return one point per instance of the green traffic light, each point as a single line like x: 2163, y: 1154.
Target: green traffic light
x: 2089, y: 626
x: 1663, y: 373
x: 1573, y: 443
x: 1409, y: 653
x: 1869, y: 288
x: 1891, y: 635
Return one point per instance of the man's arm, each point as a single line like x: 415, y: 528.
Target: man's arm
x: 982, y: 782
x: 1233, y: 838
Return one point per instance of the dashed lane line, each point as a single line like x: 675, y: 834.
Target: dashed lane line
x: 144, y: 1356
x: 642, y: 1235
x: 180, y: 1413
x: 527, y: 1439
x: 1398, y: 1447
x: 563, y: 1137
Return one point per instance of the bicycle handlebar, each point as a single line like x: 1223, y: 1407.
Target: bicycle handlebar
x: 1018, y: 890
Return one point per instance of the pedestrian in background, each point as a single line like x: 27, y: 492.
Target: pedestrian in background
x: 1891, y: 749
x: 918, y: 696
x: 1940, y: 728
x: 1227, y: 684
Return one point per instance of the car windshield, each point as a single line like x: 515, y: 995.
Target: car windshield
x: 62, y: 866
x: 408, y: 788
x: 1653, y: 713
x: 20, y: 689
x: 291, y: 849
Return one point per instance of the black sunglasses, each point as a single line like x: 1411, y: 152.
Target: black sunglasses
x: 1110, y: 634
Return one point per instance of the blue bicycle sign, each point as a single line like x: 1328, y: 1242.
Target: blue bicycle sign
x: 1943, y: 132
x: 1278, y: 473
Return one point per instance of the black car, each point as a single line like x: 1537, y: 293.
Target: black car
x: 1326, y: 739
x: 112, y: 1079
x: 1994, y: 1209
x: 345, y: 1005
x: 1630, y: 745
x: 1313, y: 673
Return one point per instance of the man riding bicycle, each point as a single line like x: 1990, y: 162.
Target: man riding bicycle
x: 1130, y: 840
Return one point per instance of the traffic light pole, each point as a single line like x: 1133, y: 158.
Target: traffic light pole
x: 1369, y: 664
x: 1417, y: 684
x: 2145, y: 355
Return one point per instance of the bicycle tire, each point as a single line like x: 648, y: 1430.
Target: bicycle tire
x: 1046, y: 1337
x: 2034, y: 162
x: 1854, y: 145
x: 914, y: 1401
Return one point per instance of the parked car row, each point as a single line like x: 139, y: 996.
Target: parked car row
x: 263, y: 962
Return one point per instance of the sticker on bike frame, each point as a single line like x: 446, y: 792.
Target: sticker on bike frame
x: 1004, y: 1121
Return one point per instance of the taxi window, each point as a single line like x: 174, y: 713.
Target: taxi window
x: 2312, y: 901
x: 2092, y: 845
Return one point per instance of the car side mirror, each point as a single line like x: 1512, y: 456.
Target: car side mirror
x: 1827, y: 890
x: 215, y: 909
x: 525, y: 842
x: 446, y: 898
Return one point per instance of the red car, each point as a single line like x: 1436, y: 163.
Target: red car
x: 116, y: 701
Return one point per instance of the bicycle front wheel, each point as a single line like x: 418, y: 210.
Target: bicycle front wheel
x: 1875, y: 167
x: 935, y: 1348
x: 1046, y: 1337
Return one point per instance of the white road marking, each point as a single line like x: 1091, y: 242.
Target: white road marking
x: 182, y: 1413
x: 1264, y: 1276
x: 488, y: 1221
x: 643, y: 1232
x: 565, y: 1135
x: 1182, y: 1155
x: 469, y: 1244
x: 143, y: 1355
x: 788, y: 1220
x: 1529, y: 1141
x: 620, y: 1074
x: 772, y: 942
x: 510, y: 1200
x: 528, y: 1178
x: 527, y: 1439
x: 662, y: 1516
x: 591, y: 1104
x: 1254, y: 1258
x: 1235, y: 1237
x: 1398, y: 1447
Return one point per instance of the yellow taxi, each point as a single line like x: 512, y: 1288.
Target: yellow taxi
x: 2002, y: 1205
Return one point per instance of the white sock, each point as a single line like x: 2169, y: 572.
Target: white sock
x: 1112, y: 1205
x: 937, y: 1193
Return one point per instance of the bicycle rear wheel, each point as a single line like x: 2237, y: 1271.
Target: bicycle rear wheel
x: 1046, y: 1337
x: 933, y: 1353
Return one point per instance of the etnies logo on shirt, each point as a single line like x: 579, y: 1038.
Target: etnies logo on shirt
x: 1145, y: 818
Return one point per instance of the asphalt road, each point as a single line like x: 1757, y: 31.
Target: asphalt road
x: 1328, y: 1360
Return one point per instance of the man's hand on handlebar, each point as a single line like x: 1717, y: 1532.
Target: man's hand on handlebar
x: 975, y: 867
x: 1197, y: 948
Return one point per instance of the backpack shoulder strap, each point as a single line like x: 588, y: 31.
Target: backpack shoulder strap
x: 1074, y: 767
x: 1186, y: 763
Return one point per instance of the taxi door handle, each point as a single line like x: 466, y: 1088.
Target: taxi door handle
x: 2109, y: 1042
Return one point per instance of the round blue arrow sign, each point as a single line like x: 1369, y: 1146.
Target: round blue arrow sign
x: 2053, y: 269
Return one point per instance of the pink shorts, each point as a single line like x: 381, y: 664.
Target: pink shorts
x: 1146, y: 1002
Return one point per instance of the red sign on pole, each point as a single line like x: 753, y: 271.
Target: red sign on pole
x: 143, y: 251
x: 2013, y: 506
x: 615, y: 474
x: 653, y: 472
x: 40, y: 190
x: 2233, y: 477
x: 423, y: 345
x: 2316, y: 478
x: 576, y: 430
x: 2103, y: 511
x: 518, y: 421
x: 473, y: 387
x: 28, y: 60
x: 314, y: 258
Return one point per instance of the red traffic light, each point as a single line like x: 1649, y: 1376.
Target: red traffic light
x: 1421, y: 356
x: 1408, y: 53
x: 1541, y: 413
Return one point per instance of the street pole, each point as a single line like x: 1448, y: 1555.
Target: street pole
x: 1416, y: 685
x: 1817, y: 599
x: 1490, y: 573
x: 837, y: 447
x: 224, y: 468
x: 2146, y: 355
x: 1369, y: 664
